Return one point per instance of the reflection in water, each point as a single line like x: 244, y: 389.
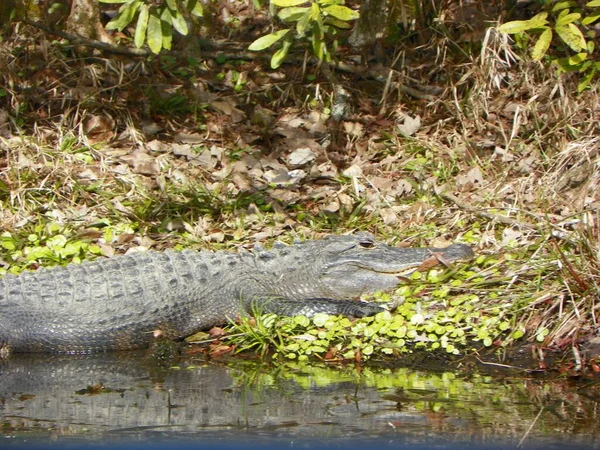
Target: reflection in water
x: 116, y: 396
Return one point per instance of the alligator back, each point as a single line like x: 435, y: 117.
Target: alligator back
x: 116, y: 303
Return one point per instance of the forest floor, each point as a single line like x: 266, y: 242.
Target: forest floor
x: 104, y: 154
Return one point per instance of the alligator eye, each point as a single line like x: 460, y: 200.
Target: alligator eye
x: 367, y: 244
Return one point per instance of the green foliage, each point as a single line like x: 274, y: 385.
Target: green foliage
x: 318, y: 22
x: 45, y: 244
x: 155, y: 23
x: 574, y: 48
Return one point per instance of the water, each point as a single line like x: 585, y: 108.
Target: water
x: 120, y: 398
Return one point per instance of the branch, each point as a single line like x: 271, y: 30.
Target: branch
x: 76, y: 39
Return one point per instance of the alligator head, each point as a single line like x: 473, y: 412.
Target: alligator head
x: 356, y: 264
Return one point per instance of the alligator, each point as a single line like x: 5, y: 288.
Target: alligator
x: 125, y: 302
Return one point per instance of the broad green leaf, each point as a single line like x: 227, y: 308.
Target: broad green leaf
x: 154, y: 32
x: 542, y: 44
x: 577, y: 59
x: 179, y: 22
x: 126, y: 13
x: 303, y: 23
x: 286, y: 3
x: 590, y: 19
x: 539, y: 20
x: 585, y: 82
x: 572, y: 36
x: 559, y: 6
x: 167, y: 28
x: 592, y: 4
x: 516, y: 26
x: 341, y: 12
x: 279, y: 55
x: 591, y: 46
x: 266, y: 41
x: 292, y: 14
x: 195, y: 8
x: 172, y: 4
x: 567, y: 18
x: 318, y: 27
x: 141, y: 27
x: 337, y: 23
x: 315, y: 11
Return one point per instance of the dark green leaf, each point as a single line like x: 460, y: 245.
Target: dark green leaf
x: 141, y: 27
x: 567, y: 18
x: 559, y: 6
x: 179, y: 22
x: 303, y: 23
x: 266, y: 41
x: 292, y: 14
x: 126, y: 13
x: 286, y: 3
x: 341, y: 12
x: 572, y: 36
x: 154, y: 32
x: 167, y: 28
x: 280, y: 54
x: 542, y: 45
x: 195, y: 8
x: 337, y: 23
x: 591, y: 18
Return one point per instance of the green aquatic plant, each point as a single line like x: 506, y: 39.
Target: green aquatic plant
x: 436, y: 314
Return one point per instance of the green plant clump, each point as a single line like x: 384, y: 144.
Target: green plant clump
x: 574, y: 50
x: 443, y: 323
x: 155, y: 22
x: 316, y: 21
x: 49, y: 244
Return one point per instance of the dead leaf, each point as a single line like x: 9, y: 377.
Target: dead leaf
x: 220, y: 350
x: 189, y: 138
x: 332, y: 207
x: 142, y: 163
x: 410, y: 125
x: 99, y: 128
x: 301, y: 157
x: 355, y: 129
x: 353, y: 171
x: 150, y: 128
x: 388, y: 216
x: 158, y: 146
x: 471, y: 178
x: 216, y: 332
x: 511, y: 236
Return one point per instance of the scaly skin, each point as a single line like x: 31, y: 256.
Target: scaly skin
x: 123, y: 302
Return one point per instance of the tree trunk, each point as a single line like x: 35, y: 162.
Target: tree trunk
x: 372, y: 24
x: 84, y: 20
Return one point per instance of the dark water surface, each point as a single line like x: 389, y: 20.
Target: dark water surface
x: 121, y: 399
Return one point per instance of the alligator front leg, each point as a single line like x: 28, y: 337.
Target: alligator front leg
x: 312, y: 306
